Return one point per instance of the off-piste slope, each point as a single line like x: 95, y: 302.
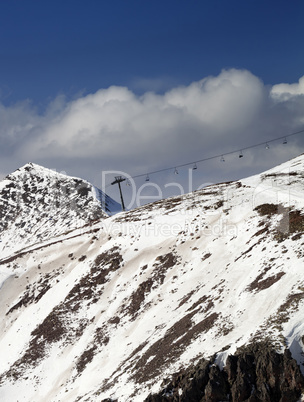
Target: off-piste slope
x: 38, y: 203
x: 113, y: 310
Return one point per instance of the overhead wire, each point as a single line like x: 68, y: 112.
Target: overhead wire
x: 221, y: 156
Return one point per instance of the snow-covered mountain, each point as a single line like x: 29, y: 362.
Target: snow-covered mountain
x: 38, y: 203
x: 109, y: 312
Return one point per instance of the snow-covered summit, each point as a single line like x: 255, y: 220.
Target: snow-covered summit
x: 37, y: 203
x: 110, y: 313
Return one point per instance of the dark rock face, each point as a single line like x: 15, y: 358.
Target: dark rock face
x: 257, y: 373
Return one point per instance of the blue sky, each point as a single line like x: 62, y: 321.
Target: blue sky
x: 89, y: 86
x: 68, y: 46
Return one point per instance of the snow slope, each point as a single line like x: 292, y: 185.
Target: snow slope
x: 110, y: 310
x: 37, y: 203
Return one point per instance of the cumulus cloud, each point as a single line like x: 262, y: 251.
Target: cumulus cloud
x: 231, y: 99
x: 287, y: 91
x: 116, y: 129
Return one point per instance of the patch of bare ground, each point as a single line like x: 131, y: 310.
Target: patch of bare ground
x: 261, y: 284
x: 282, y: 315
x: 85, y: 358
x: 291, y: 223
x: 218, y: 204
x: 186, y: 298
x: 297, y: 236
x: 51, y: 329
x: 205, y: 303
x: 101, y: 338
x: 262, y: 231
x: 162, y: 265
x: 35, y: 291
x: 264, y: 176
x: 225, y: 326
x: 246, y: 252
x: 138, y: 297
x: 269, y: 209
x: 171, y: 203
x: 125, y: 366
x: 90, y: 287
x: 205, y: 256
x: 169, y: 348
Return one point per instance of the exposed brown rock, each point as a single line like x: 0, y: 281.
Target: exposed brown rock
x: 257, y: 373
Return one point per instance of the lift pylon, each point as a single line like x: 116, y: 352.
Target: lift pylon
x: 118, y: 180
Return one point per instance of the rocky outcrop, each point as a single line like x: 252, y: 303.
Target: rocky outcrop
x: 257, y: 373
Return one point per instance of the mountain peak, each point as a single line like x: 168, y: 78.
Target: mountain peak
x: 38, y: 203
x: 31, y: 168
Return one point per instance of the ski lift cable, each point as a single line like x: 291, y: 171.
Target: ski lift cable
x: 221, y: 156
x: 174, y: 168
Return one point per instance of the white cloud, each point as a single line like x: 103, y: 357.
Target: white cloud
x: 116, y: 129
x: 16, y: 122
x: 231, y: 99
x: 287, y: 91
x: 114, y: 119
